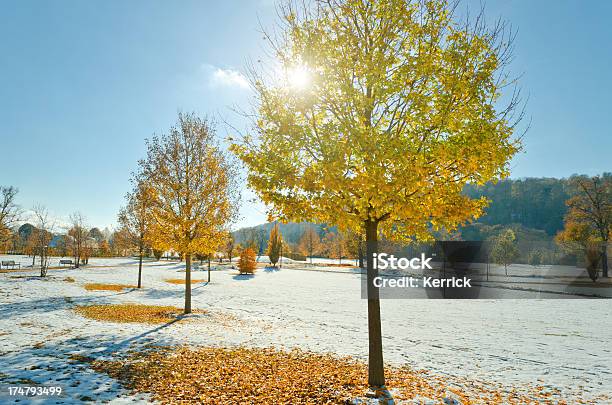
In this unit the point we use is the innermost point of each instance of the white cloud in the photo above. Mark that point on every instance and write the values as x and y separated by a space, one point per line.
219 77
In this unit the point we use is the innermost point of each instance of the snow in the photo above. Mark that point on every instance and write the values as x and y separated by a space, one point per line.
556 343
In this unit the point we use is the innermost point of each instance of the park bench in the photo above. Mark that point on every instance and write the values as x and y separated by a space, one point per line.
65 262
7 263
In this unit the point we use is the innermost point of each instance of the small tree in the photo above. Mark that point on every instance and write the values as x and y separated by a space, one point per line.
194 184
589 217
43 236
135 219
504 249
310 243
247 262
78 238
275 244
577 238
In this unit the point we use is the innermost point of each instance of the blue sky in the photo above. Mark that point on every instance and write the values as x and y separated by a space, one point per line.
84 82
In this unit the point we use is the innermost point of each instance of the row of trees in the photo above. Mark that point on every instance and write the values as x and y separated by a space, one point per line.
584 237
40 240
314 241
586 232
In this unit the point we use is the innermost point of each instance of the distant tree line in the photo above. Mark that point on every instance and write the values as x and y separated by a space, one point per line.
537 203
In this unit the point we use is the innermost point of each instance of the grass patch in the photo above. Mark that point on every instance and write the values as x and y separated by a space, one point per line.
107 287
131 313
181 281
69 279
249 375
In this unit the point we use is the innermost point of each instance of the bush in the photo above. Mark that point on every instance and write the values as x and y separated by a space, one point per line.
593 257
247 262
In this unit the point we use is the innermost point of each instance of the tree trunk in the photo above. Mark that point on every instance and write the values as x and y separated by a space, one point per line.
187 284
209 269
604 260
43 272
376 372
140 269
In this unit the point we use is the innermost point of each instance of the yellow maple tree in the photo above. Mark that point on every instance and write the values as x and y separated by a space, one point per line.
194 186
376 116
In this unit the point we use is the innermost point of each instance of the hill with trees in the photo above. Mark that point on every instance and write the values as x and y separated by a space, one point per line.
533 207
537 203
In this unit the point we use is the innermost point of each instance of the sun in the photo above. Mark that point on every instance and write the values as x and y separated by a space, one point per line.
298 77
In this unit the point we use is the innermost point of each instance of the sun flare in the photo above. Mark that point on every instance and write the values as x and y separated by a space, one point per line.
298 77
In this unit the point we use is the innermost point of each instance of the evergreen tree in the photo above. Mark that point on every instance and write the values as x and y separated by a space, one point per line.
275 244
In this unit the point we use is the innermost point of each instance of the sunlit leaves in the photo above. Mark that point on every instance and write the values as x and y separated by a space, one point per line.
181 281
106 287
400 112
130 313
194 188
269 376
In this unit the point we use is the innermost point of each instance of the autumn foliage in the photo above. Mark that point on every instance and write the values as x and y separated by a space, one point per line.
181 281
268 376
248 261
107 287
195 195
130 313
588 222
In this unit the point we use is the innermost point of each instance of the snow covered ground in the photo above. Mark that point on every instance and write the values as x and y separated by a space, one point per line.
565 344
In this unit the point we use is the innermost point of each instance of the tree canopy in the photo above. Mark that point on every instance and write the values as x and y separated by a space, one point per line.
400 111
